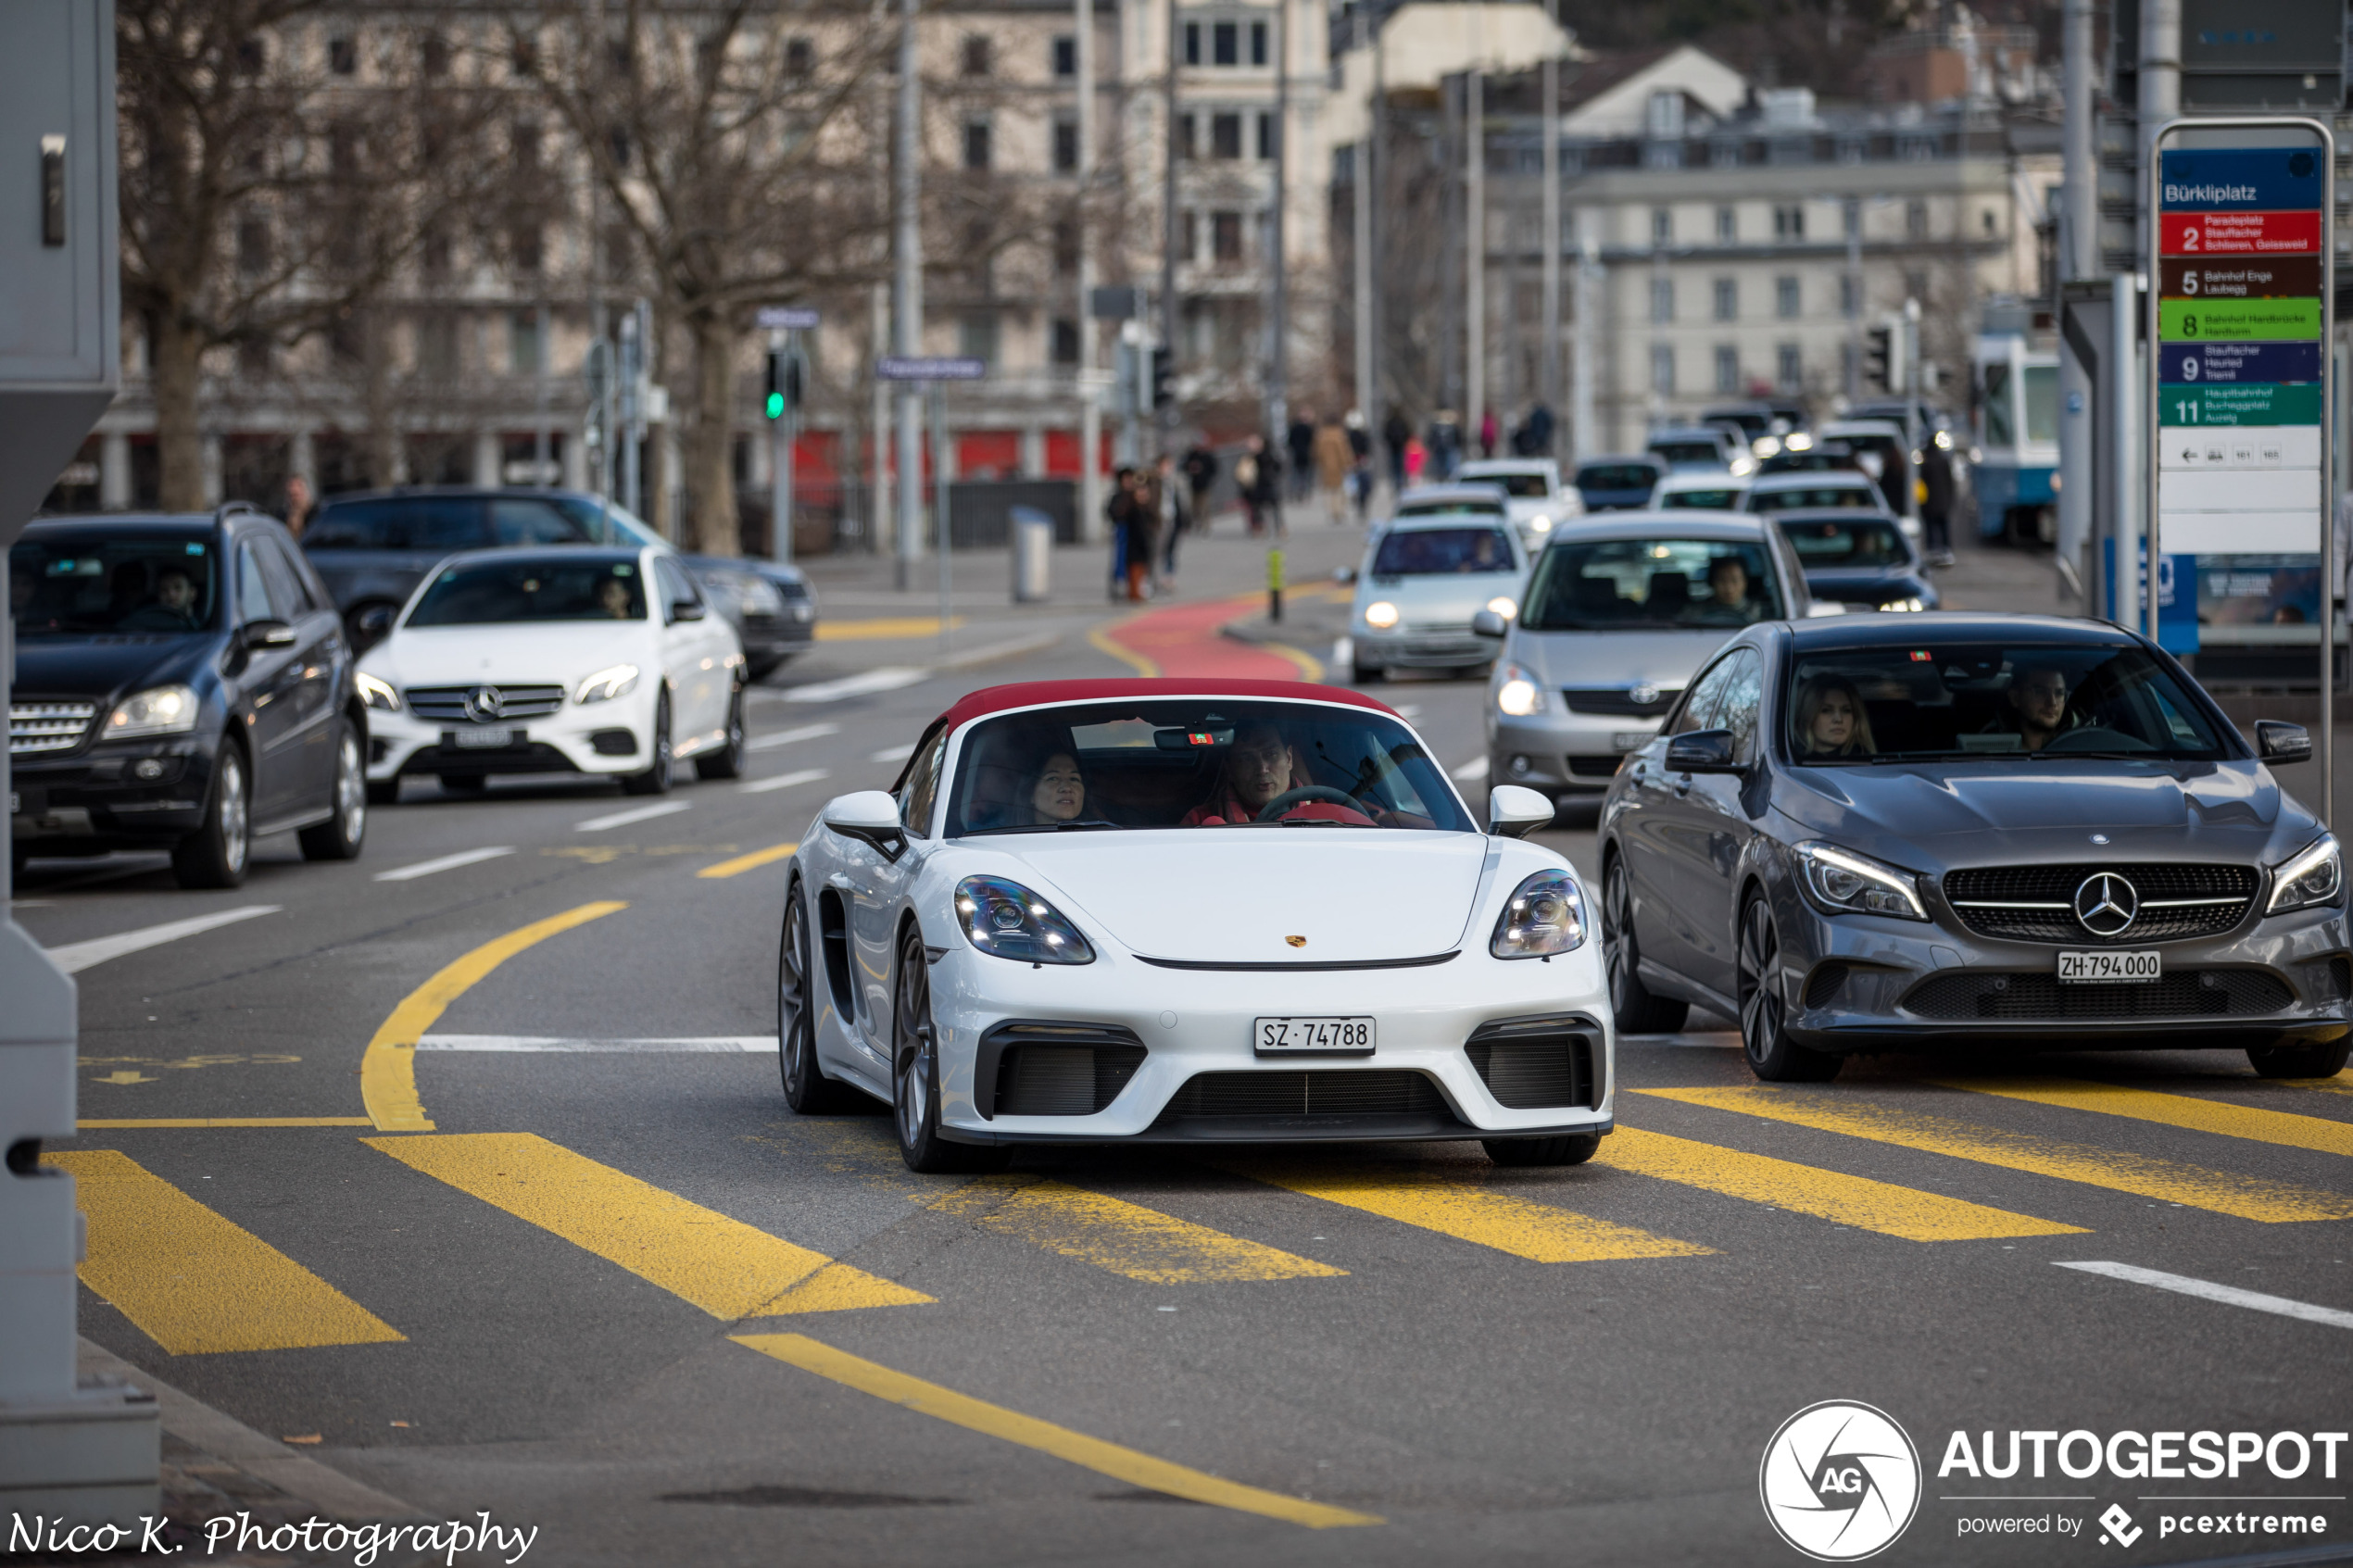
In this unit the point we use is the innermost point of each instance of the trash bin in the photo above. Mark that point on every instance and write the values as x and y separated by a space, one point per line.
1033 538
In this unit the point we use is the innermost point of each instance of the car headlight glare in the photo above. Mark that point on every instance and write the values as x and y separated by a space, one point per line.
2316 876
1504 605
1544 915
1910 603
1540 523
1002 917
606 684
159 710
1839 881
375 693
1380 615
1517 694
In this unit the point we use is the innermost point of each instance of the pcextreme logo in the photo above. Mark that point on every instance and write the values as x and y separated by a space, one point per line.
1840 1481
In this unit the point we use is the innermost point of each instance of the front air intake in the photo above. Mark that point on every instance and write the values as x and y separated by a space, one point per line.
1053 1069
1532 1064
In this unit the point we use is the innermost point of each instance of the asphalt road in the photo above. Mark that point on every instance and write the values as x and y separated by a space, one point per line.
595 1296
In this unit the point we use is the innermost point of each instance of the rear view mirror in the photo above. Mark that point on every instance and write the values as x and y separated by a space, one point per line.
1702 751
686 610
266 634
1344 575
1515 810
1487 624
2278 741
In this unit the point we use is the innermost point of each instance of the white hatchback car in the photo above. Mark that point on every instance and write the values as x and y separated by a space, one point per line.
1535 498
536 661
1422 579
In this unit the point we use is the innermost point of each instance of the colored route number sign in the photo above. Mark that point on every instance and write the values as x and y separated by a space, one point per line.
2242 274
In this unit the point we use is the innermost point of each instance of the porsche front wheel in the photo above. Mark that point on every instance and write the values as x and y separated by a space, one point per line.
915 1077
807 1089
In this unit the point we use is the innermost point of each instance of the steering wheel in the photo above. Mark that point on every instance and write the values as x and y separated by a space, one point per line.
1273 810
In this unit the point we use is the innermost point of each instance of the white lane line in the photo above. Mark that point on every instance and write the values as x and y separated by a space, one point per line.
889 678
446 863
2229 1295
642 814
790 737
894 753
719 1044
783 781
1472 770
75 957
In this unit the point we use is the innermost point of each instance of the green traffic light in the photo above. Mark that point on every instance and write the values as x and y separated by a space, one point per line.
775 404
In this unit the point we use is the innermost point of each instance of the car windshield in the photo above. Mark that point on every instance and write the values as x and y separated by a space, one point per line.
541 588
1807 497
1617 476
1687 451
1862 541
1706 498
1641 584
1197 762
1476 505
1521 486
87 584
1903 703
1443 552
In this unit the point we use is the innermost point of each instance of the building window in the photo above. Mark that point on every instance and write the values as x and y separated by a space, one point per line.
522 343
1916 220
1916 286
1065 246
1225 238
1065 341
1226 44
800 57
1662 300
1065 146
253 245
252 56
975 54
1849 302
977 143
523 143
1728 225
254 356
1727 299
1851 217
1992 223
1184 148
1661 225
1266 147
1066 56
433 253
1728 370
1258 44
1788 367
1225 136
976 336
437 348
433 56
343 56
526 245
1789 222
1192 44
1663 369
1785 298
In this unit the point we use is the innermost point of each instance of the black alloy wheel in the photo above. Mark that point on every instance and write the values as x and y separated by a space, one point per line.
340 836
1567 1148
807 1089
1631 1002
915 1077
727 762
656 779
216 855
2310 1060
1772 1055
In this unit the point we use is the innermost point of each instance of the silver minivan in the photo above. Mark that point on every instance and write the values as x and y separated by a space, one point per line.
1618 614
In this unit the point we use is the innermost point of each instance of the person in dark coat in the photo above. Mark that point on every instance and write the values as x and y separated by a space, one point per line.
1395 432
1119 512
1936 511
1200 473
1301 440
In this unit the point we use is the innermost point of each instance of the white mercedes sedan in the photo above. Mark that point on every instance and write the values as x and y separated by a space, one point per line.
591 661
1189 912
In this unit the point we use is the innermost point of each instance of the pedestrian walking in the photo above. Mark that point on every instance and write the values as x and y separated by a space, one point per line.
1488 434
1416 458
1396 435
1444 446
1300 441
1333 460
1360 463
1200 473
1176 520
1936 506
1118 512
1143 532
299 505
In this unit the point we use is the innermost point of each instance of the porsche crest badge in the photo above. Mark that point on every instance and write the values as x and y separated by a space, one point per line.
1296 941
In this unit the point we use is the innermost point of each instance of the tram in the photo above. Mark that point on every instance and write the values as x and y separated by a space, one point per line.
2014 459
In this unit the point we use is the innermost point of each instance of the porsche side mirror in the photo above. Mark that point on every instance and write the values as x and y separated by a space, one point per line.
1702 751
1487 624
1515 810
870 816
2278 741
1344 575
266 634
686 610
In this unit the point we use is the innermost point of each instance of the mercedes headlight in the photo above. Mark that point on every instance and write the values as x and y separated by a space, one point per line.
159 710
1517 694
375 693
606 684
1910 603
1839 881
2316 876
1002 916
1380 615
1544 915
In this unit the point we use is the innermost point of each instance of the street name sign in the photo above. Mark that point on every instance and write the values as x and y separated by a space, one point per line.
787 318
930 368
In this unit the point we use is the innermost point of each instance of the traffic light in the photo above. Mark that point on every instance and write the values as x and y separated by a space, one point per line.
1879 357
784 382
1163 377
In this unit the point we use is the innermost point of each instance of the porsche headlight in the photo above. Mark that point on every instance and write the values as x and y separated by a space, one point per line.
1504 605
2316 876
159 710
1544 915
1002 916
1839 881
1516 692
1380 615
606 684
375 693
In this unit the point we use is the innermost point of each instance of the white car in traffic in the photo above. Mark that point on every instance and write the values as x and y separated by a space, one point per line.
1535 498
1422 579
595 661
1190 913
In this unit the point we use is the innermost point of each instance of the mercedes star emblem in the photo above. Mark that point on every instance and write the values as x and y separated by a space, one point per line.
2099 838
1642 695
2106 904
485 702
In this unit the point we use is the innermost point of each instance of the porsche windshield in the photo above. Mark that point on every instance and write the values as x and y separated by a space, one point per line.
1647 584
581 587
72 587
1197 762
1861 706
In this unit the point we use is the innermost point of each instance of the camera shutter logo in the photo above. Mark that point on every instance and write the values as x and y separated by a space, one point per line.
1840 1481
2106 904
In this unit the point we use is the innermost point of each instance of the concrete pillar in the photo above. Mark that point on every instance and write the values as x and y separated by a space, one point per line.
575 463
212 470
489 458
1033 451
114 471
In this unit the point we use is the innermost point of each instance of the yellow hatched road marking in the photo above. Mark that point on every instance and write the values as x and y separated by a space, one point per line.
115 1123
1123 1238
2340 1084
729 1269
750 862
2248 1197
1831 1194
1113 1460
1462 1207
388 1070
2282 1127
884 626
194 1282
1099 638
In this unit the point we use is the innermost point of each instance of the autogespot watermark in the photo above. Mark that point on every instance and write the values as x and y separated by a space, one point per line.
363 1544
1841 1481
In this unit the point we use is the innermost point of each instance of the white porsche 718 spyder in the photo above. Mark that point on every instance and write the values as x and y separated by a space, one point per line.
1185 911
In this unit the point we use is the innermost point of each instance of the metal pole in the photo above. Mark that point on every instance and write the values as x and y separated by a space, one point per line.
1091 404
1584 443
1363 215
599 328
2080 255
628 380
2160 92
780 456
1277 322
1168 311
1853 218
939 507
878 418
539 399
1474 256
2123 387
908 229
1549 125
